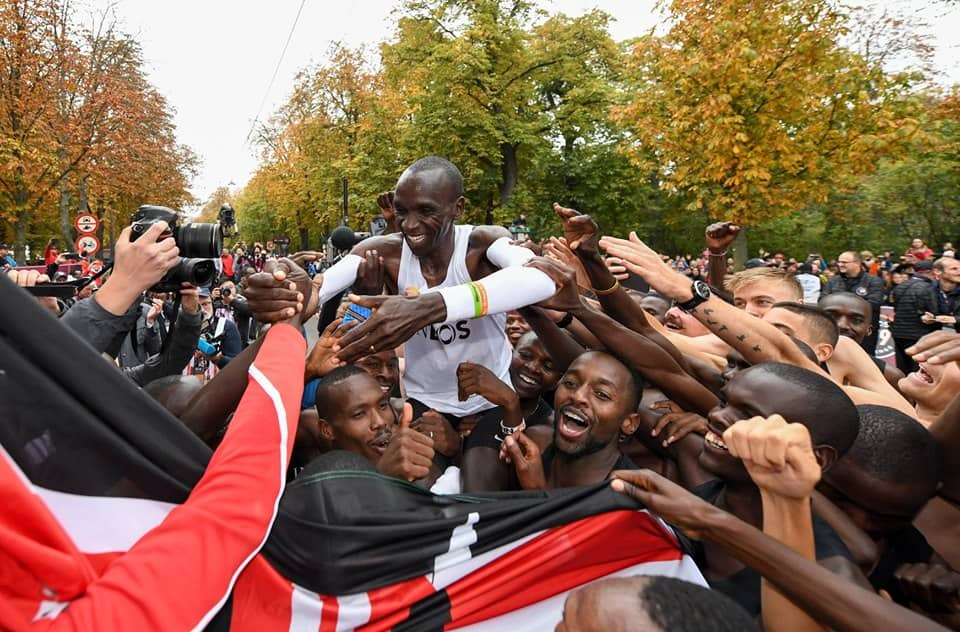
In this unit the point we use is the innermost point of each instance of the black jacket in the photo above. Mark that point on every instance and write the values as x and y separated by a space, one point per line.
911 299
866 286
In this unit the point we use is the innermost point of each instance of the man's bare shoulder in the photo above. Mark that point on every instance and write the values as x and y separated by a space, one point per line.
484 236
386 245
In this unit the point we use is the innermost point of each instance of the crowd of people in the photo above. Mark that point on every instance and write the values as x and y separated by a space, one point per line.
814 483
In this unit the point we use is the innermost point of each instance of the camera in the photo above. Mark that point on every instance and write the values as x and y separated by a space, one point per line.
198 243
225 292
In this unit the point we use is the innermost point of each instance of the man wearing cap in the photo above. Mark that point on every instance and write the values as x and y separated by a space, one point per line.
853 278
206 362
6 261
911 299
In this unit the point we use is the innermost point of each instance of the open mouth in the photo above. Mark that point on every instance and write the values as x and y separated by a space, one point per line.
416 239
714 440
525 379
573 423
922 375
380 444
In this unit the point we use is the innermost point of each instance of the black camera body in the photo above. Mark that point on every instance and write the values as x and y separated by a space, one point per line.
199 245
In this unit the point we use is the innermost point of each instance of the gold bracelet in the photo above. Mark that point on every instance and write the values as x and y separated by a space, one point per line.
611 290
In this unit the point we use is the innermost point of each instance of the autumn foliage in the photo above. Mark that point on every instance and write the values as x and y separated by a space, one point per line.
81 128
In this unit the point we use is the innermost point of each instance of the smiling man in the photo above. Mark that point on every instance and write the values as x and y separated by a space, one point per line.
455 290
596 401
356 416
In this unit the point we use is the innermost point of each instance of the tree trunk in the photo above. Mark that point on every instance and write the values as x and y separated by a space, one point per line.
20 241
66 228
508 174
740 249
304 238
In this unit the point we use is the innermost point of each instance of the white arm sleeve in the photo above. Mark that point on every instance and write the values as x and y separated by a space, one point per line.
512 287
503 254
339 277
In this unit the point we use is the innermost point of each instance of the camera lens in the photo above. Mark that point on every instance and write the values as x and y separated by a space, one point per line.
200 240
195 271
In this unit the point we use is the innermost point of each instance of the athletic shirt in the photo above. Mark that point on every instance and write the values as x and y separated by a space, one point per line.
433 353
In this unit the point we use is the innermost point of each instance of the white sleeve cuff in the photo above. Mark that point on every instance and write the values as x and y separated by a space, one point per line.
503 254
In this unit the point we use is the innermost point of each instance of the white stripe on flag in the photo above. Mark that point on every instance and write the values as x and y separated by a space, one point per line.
91 521
353 612
281 418
546 614
305 609
462 538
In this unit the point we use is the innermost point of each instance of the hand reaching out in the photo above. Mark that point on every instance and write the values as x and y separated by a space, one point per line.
666 499
370 275
557 249
322 358
446 440
580 231
939 347
474 379
567 297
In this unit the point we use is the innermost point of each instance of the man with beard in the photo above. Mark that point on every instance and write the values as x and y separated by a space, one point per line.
596 401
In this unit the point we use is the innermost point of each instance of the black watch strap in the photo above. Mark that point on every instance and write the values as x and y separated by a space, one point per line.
701 292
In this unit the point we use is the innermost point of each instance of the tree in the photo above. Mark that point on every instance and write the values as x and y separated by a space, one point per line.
78 121
495 86
755 110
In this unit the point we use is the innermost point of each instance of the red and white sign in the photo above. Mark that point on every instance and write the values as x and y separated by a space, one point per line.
86 223
87 244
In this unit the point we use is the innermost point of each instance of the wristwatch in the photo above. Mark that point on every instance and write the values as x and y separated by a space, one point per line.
701 292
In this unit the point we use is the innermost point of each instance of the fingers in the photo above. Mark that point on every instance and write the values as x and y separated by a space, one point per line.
563 212
527 445
515 452
938 347
406 416
153 233
373 302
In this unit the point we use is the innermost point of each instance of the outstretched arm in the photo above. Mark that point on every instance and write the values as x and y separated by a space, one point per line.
182 572
757 340
803 581
638 351
398 318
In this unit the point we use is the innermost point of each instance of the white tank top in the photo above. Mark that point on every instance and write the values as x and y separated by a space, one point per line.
433 354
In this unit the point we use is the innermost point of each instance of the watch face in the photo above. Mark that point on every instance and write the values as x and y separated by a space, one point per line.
701 289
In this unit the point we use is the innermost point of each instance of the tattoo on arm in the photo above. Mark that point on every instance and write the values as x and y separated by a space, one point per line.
756 348
712 322
742 337
707 311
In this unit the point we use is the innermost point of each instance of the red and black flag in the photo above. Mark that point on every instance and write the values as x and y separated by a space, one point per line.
94 479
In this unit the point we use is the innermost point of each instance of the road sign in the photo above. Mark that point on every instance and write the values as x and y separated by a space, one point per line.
87 244
86 223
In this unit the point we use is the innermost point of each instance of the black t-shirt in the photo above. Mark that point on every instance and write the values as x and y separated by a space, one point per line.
907 547
541 416
744 585
623 462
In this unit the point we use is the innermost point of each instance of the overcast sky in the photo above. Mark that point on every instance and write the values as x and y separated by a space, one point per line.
213 59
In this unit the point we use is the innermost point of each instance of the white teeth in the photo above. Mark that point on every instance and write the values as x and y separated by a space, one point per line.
524 378
715 441
576 417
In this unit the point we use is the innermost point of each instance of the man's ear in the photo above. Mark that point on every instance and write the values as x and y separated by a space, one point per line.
459 206
823 351
826 456
326 429
869 331
630 424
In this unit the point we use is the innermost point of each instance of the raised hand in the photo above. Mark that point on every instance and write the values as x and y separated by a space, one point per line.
521 451
272 297
474 379
778 455
643 261
720 235
567 297
409 454
557 249
580 231
387 209
322 358
666 499
370 274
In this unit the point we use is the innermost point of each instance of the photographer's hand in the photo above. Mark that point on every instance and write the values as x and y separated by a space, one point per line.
190 299
137 266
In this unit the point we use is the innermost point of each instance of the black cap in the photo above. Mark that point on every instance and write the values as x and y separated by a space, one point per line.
923 265
755 263
4 247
